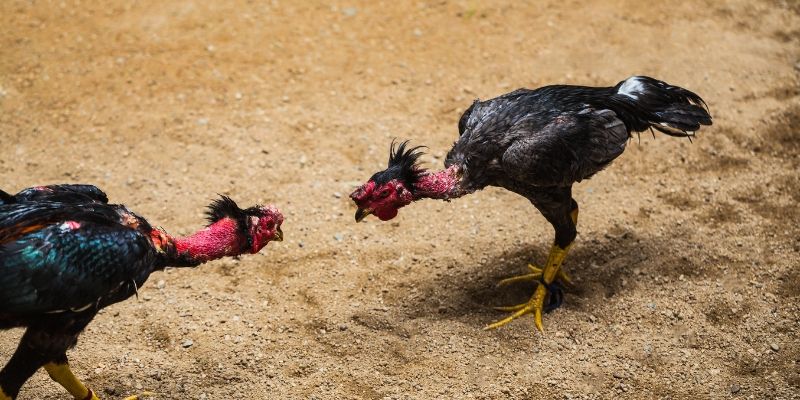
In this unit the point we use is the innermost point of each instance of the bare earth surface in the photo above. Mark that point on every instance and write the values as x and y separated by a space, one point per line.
686 264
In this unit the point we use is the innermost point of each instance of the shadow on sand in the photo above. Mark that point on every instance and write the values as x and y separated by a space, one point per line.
600 269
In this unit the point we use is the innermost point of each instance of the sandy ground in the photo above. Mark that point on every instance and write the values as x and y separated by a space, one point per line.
686 264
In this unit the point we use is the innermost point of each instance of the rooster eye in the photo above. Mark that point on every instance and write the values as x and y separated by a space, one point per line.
383 194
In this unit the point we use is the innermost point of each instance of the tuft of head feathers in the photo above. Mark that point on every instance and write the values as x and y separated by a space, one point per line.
402 165
223 207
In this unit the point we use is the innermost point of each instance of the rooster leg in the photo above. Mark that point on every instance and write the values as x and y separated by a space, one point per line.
549 277
537 302
59 371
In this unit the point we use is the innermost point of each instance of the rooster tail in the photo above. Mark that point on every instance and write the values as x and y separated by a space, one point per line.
645 102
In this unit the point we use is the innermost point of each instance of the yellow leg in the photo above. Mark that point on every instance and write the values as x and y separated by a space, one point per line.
64 376
536 303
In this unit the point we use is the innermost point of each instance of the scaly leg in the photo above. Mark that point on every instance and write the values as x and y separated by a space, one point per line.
60 372
551 271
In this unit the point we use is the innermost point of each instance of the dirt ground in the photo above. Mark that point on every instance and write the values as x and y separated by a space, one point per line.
686 264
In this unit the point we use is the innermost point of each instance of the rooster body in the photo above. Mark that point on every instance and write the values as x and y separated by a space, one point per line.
537 143
65 253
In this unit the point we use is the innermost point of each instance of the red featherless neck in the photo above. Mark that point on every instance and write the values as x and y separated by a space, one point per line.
220 239
444 184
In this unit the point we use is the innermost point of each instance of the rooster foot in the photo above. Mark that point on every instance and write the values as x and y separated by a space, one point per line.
548 295
546 298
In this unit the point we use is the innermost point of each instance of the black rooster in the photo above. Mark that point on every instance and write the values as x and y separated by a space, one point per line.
536 143
65 253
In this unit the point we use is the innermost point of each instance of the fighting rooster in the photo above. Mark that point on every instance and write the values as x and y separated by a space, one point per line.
536 143
65 253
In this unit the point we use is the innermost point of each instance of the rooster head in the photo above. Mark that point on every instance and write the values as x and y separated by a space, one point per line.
257 225
389 190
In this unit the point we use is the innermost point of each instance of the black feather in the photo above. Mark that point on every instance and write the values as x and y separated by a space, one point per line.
65 193
6 198
223 207
462 122
402 165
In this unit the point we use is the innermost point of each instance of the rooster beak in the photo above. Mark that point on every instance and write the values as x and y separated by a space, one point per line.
278 235
361 213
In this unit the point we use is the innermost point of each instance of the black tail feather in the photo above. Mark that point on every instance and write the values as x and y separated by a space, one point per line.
645 103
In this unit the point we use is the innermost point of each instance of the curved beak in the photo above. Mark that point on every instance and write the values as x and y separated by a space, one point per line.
278 235
361 213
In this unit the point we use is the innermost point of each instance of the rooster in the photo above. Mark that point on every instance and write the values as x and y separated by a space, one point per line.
536 143
65 253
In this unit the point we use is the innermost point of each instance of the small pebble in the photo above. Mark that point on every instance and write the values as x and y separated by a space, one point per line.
735 388
186 343
774 346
